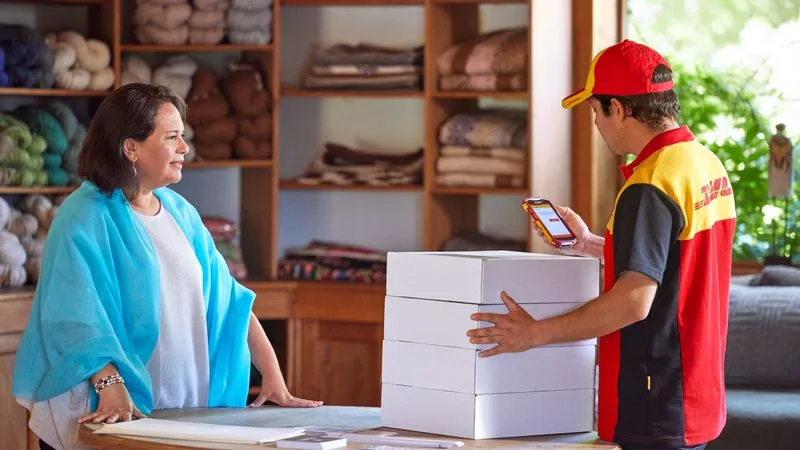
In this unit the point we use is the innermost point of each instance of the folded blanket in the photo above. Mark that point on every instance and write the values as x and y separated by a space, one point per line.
511 154
401 81
487 128
368 54
501 52
365 69
517 82
338 155
479 180
478 165
340 165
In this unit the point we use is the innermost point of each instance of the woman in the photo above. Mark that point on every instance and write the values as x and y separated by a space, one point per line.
135 309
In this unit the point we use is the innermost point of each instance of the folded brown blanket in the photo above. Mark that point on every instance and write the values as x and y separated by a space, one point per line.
501 52
368 54
478 165
517 82
341 165
486 128
479 180
512 154
399 81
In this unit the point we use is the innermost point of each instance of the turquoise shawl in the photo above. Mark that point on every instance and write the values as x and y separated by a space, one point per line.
98 300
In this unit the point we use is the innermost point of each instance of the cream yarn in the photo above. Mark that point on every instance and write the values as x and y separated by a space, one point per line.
80 63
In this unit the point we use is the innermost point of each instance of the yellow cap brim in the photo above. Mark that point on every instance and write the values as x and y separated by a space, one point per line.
576 98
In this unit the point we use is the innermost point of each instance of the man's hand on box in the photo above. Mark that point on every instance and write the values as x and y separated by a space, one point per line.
516 331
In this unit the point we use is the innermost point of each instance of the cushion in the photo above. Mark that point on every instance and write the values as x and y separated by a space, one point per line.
760 419
763 347
777 276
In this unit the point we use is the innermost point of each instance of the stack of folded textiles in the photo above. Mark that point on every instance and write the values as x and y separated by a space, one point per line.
328 261
495 61
483 149
366 66
341 165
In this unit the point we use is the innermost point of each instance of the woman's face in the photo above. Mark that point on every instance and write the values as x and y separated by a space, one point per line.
159 158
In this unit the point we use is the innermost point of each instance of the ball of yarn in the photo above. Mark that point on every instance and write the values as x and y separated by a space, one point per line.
251 4
16 130
244 19
52 160
102 79
76 79
11 251
32 246
135 70
64 57
65 117
256 37
38 144
91 54
5 213
8 176
33 266
22 224
6 144
43 123
57 177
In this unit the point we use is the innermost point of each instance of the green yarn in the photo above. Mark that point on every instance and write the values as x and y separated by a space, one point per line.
36 162
51 160
25 177
16 130
41 122
17 158
38 144
57 177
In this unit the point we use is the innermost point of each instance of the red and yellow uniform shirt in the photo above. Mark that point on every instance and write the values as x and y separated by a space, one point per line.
662 378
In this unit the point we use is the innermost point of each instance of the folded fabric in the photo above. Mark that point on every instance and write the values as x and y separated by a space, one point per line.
501 52
486 128
512 154
364 69
479 180
407 81
368 54
345 166
478 165
518 82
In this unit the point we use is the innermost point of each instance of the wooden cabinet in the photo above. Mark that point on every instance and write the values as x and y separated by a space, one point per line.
14 309
337 334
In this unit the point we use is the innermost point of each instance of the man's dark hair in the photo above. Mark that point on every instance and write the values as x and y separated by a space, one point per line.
653 109
127 113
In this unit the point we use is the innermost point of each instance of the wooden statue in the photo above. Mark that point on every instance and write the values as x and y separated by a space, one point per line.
781 170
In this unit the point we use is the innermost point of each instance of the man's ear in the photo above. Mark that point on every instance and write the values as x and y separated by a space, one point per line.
617 110
129 150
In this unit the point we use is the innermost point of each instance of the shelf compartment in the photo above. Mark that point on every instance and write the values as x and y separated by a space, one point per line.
295 185
44 190
294 91
36 92
243 163
195 48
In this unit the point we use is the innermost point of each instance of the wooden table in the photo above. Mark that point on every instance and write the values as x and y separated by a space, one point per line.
326 416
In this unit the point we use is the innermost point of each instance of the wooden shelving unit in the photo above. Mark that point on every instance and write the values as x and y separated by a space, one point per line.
312 324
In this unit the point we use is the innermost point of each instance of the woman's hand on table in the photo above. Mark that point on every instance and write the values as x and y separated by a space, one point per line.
115 405
278 393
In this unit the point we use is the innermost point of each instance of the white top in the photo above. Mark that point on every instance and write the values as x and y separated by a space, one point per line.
178 366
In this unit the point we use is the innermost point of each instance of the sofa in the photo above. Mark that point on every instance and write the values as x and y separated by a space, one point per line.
762 362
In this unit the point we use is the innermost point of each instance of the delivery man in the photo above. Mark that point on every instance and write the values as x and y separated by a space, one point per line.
662 319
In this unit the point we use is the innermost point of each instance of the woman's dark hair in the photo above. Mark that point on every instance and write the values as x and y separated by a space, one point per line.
654 110
127 113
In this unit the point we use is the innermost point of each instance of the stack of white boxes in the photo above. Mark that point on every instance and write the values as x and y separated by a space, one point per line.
433 380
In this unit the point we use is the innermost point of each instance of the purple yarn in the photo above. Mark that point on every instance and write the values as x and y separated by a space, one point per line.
3 75
28 59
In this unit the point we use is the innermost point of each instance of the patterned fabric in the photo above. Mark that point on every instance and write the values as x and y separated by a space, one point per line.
484 82
487 128
327 261
763 337
340 165
501 52
365 66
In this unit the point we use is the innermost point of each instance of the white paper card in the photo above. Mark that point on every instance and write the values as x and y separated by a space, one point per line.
191 431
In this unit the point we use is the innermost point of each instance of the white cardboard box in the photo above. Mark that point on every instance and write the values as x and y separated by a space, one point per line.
479 277
491 416
446 323
462 370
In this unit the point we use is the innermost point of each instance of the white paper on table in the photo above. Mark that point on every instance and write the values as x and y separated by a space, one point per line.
191 431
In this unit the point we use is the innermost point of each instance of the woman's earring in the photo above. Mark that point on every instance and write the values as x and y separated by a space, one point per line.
133 166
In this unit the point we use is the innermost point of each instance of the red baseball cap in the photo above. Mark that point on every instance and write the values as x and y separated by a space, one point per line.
623 69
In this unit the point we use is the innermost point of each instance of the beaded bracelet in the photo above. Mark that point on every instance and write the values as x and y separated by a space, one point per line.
107 381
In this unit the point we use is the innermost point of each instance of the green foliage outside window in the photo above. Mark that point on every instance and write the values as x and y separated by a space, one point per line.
719 109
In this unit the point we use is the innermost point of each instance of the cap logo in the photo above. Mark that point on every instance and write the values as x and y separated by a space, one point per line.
661 74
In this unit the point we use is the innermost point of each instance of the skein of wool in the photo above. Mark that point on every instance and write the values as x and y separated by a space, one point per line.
5 213
160 22
136 70
176 74
65 117
22 224
45 124
6 144
12 276
3 74
11 251
250 22
28 60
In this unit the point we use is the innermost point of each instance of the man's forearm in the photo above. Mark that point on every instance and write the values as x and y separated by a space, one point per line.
261 351
628 302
